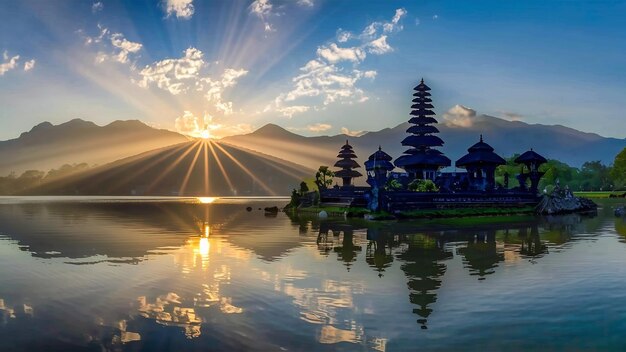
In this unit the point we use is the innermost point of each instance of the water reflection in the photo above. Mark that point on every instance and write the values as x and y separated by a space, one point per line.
212 272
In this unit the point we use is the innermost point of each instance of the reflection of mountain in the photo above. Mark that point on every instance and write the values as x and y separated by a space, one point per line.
47 146
127 231
507 137
196 168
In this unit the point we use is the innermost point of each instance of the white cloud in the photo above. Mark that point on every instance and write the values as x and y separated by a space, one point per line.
379 46
180 8
343 36
512 116
97 7
333 53
29 65
319 127
262 9
120 48
332 76
460 116
435 17
8 63
347 132
185 74
308 3
124 47
289 111
206 127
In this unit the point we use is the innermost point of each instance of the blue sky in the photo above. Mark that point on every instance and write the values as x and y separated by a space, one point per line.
314 66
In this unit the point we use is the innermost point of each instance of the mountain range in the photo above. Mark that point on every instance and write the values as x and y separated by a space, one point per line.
507 137
48 146
138 159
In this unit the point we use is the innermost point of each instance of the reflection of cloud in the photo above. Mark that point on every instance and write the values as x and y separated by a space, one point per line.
166 310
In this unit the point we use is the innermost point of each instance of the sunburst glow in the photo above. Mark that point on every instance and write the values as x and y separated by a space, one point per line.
207 200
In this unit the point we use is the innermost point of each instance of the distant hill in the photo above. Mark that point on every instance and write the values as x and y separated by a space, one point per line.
48 146
182 169
507 137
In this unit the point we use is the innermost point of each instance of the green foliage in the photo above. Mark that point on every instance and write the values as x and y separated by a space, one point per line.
303 188
423 186
13 184
618 172
295 199
393 184
324 177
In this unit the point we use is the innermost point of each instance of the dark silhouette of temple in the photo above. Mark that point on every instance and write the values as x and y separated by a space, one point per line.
423 184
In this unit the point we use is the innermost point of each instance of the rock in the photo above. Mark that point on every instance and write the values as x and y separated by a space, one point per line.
620 211
272 210
248 208
323 214
556 204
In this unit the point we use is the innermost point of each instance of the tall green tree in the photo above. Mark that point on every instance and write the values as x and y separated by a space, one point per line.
324 177
618 172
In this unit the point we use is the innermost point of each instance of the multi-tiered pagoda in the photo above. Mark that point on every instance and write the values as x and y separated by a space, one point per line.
422 161
347 164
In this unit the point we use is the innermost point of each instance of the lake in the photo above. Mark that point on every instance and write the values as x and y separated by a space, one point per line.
169 274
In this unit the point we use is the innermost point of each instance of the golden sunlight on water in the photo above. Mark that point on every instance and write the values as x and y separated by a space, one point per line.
207 200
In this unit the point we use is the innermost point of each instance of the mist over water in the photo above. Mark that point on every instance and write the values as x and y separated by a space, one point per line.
137 274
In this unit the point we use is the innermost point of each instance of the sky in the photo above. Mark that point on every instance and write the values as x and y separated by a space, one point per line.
317 67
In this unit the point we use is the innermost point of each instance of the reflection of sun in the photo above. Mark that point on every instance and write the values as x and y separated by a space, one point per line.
207 200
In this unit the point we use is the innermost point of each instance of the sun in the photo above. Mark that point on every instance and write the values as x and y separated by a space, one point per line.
205 134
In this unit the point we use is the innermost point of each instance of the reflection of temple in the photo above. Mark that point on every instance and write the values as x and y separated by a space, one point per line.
423 268
481 254
424 251
422 162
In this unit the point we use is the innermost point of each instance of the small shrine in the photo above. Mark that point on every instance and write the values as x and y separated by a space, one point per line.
480 163
347 164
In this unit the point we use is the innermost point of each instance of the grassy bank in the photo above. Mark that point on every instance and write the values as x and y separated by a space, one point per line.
598 194
336 211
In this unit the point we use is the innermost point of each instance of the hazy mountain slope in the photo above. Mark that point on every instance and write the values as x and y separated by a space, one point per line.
47 146
173 171
507 137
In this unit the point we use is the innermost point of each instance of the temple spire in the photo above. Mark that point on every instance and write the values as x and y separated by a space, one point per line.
422 160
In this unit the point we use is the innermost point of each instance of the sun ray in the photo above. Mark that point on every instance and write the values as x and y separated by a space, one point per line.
246 170
190 170
219 164
206 168
155 161
172 165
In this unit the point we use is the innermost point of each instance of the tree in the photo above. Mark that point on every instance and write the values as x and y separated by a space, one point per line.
423 186
303 188
618 172
324 177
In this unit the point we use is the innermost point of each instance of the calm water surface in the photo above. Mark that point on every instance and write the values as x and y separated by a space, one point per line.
178 275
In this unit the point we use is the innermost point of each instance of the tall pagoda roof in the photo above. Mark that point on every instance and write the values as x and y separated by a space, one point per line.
422 112
422 86
480 153
347 164
347 173
422 120
415 129
425 140
530 156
